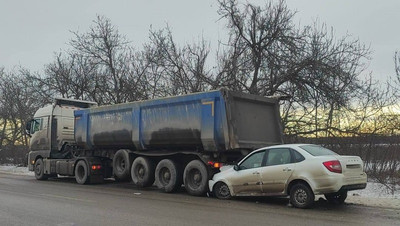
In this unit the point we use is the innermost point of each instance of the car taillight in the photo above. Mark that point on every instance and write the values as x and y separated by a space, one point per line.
333 166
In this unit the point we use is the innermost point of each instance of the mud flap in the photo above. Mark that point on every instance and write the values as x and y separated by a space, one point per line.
96 179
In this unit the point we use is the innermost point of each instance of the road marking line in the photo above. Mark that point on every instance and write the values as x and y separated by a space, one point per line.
66 197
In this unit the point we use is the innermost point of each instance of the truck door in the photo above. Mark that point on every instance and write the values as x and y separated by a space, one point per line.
40 135
277 170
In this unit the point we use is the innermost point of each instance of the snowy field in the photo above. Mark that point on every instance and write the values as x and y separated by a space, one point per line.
375 194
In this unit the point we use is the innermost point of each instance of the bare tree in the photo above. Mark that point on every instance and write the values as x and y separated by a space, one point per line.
71 76
177 70
266 54
109 56
17 105
3 113
256 34
397 63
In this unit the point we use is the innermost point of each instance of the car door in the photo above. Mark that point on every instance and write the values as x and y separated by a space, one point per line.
277 170
247 179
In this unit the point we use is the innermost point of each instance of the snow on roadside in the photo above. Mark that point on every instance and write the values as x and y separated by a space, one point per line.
377 190
15 170
375 194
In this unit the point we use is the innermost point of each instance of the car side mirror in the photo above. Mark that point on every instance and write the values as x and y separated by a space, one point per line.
236 167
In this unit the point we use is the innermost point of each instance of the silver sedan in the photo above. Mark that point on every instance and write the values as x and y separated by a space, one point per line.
300 171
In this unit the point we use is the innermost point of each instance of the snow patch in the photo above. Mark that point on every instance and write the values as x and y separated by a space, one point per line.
376 194
377 190
16 170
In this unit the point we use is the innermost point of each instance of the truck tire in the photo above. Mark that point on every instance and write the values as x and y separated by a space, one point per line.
39 170
301 196
196 178
142 172
81 172
168 175
122 165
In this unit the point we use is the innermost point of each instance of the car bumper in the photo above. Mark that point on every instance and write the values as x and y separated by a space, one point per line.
335 183
211 185
353 187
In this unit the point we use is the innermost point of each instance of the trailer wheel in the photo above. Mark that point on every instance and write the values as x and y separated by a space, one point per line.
39 170
142 172
121 165
196 178
168 175
81 172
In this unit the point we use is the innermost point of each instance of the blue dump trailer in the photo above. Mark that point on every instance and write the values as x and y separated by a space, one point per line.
169 141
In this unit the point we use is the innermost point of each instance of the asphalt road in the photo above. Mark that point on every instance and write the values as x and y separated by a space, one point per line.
26 201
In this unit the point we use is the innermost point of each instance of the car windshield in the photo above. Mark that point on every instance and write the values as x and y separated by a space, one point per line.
316 150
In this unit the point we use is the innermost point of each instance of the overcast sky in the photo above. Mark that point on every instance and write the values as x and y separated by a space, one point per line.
32 31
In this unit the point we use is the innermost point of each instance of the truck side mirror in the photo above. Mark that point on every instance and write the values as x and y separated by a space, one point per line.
236 167
28 128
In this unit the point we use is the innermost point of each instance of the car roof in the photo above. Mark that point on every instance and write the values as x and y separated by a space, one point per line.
294 146
287 145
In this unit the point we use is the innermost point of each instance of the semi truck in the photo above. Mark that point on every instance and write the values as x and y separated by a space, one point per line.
169 142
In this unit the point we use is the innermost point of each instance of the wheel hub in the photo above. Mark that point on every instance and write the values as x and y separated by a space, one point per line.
38 169
224 191
122 164
167 175
301 196
141 172
197 177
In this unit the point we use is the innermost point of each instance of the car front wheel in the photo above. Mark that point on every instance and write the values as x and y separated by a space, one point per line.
221 191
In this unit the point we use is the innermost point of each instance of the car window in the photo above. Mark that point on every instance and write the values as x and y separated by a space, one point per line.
297 157
278 156
253 161
317 150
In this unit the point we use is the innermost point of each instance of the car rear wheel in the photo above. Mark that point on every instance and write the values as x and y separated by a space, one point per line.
221 191
336 198
301 196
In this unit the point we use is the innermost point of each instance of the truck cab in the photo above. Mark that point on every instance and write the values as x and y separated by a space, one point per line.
52 129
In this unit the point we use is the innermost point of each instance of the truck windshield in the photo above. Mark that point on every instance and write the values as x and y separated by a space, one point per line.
317 150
